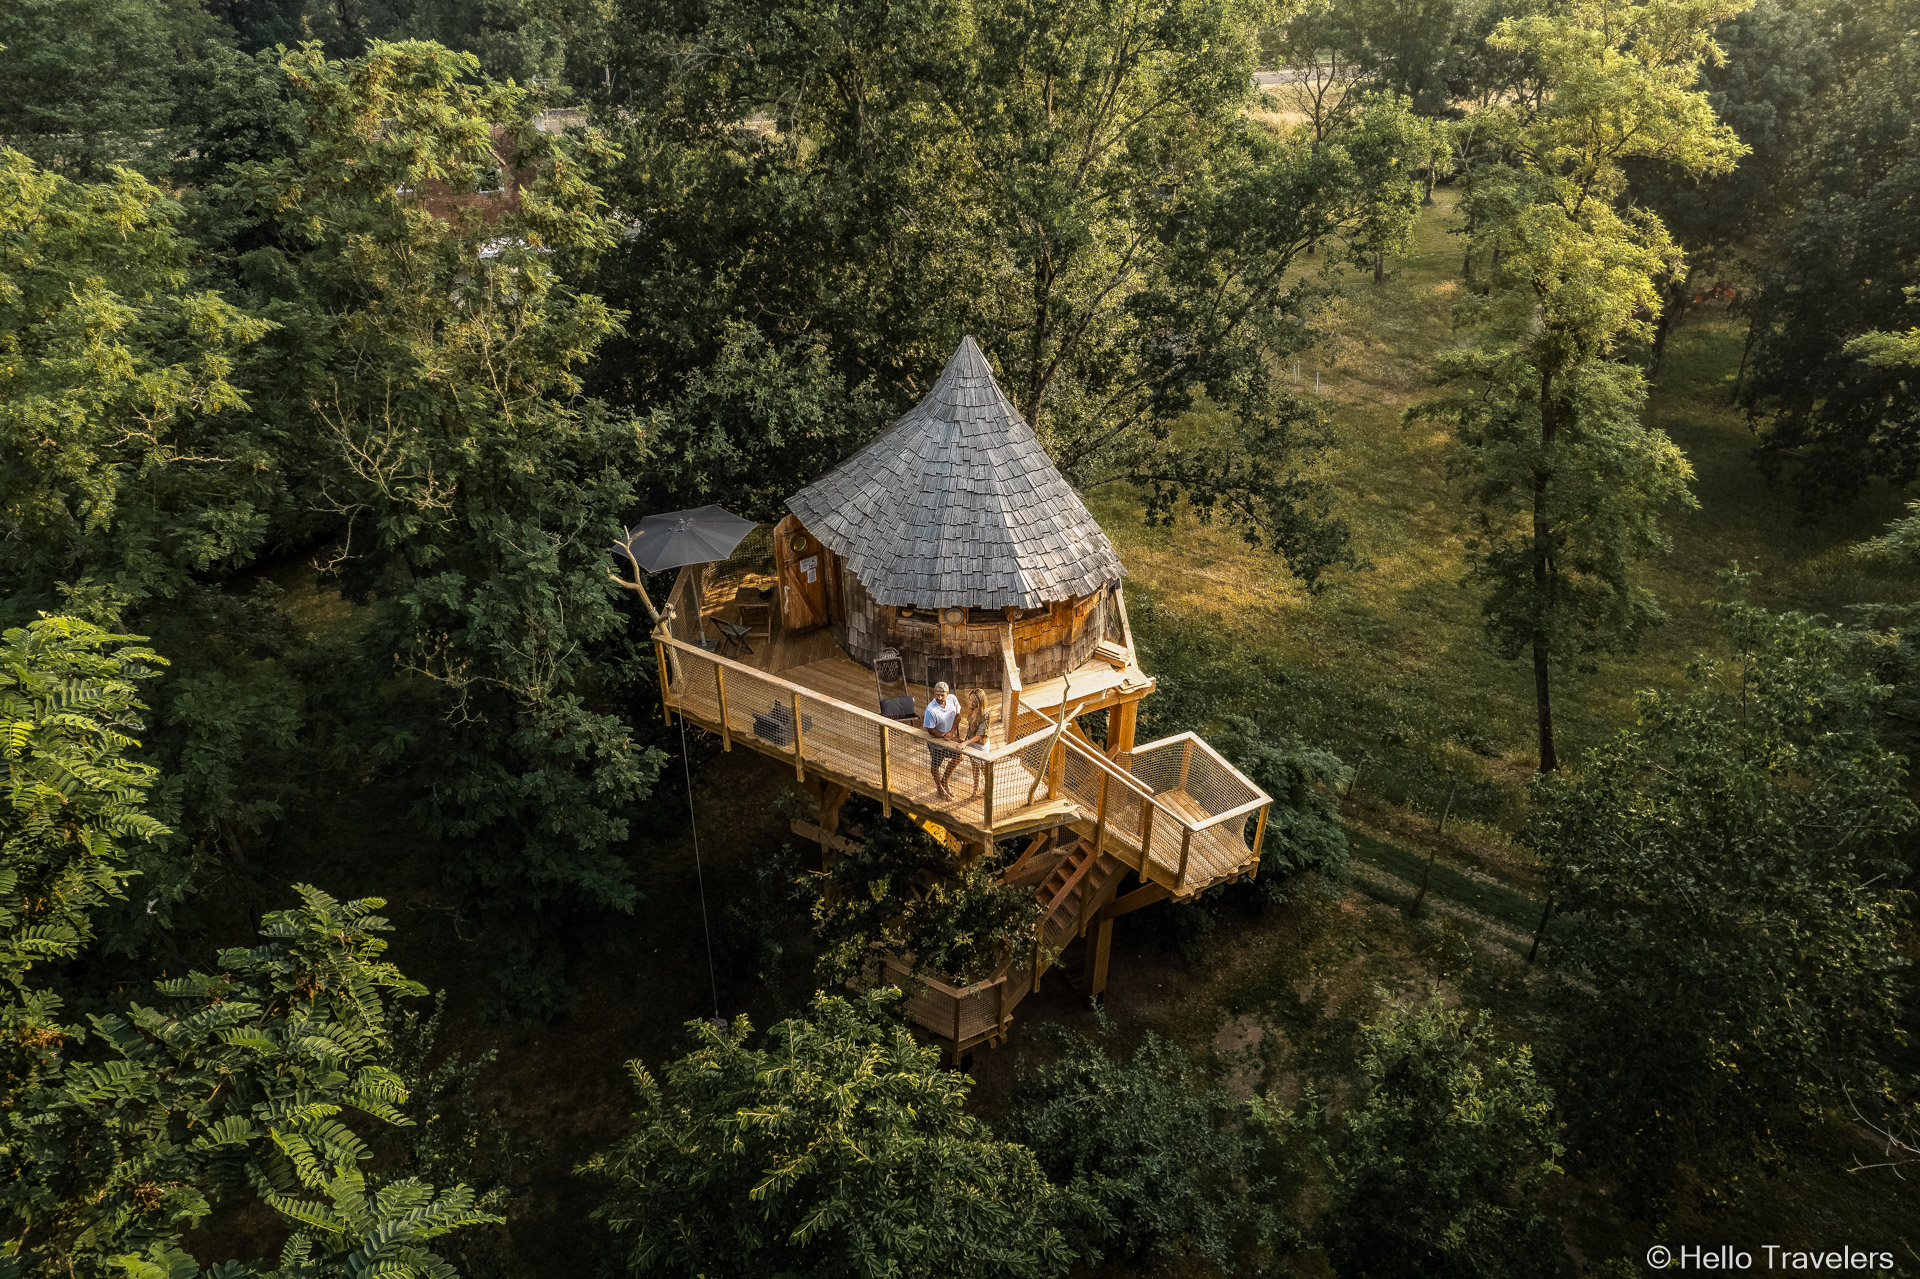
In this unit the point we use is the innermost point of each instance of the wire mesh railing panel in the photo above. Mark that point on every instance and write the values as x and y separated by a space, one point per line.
683 606
758 707
1214 786
834 738
1157 767
695 682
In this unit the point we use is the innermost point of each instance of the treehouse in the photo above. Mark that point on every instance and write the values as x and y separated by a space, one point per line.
950 550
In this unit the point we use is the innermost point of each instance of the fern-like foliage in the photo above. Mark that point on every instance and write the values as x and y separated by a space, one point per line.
117 1136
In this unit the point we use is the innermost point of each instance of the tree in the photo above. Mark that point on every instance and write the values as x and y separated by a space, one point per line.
1405 48
1315 45
900 890
1830 419
840 1148
1438 1167
134 481
1777 65
117 1137
86 84
1303 826
1725 870
1566 484
468 490
1165 1159
1080 188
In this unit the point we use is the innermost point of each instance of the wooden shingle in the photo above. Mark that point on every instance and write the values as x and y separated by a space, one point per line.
957 504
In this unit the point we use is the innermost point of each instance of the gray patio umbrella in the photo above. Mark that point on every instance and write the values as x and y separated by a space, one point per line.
699 536
677 538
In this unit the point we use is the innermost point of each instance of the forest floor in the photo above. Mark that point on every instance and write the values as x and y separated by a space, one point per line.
1386 665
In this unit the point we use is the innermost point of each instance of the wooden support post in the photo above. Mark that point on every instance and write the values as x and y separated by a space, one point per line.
886 774
1056 771
1036 962
720 687
799 747
1086 907
1260 835
1100 817
1101 945
1010 689
666 689
832 795
1186 850
987 808
1146 835
1120 726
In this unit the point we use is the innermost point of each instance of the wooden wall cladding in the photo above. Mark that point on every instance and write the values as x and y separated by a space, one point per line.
1046 645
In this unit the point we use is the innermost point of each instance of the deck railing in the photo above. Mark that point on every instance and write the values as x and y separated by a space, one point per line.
1173 810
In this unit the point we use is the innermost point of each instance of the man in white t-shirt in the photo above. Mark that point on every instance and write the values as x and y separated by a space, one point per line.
942 713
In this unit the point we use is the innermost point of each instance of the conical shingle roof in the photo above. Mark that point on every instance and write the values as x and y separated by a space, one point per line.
957 504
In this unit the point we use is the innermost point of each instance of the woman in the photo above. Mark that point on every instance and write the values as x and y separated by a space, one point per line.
972 732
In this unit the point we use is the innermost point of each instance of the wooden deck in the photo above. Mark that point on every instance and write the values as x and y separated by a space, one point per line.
1173 810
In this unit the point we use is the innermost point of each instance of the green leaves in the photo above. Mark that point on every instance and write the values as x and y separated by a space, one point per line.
1165 1161
111 374
840 1148
244 1078
70 799
1721 870
1438 1167
1836 400
899 891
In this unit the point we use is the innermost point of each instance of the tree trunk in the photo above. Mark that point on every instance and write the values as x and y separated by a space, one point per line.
1672 308
1379 267
1542 693
1546 913
1432 177
1543 582
1740 375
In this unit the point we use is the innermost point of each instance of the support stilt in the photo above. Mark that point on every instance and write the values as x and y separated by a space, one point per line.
1099 943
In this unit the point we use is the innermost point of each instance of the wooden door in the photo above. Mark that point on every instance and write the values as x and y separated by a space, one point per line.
801 563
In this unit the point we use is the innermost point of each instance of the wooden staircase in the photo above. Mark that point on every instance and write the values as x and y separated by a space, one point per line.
1071 894
1076 888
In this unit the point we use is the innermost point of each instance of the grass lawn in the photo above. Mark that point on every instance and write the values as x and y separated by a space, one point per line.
1388 663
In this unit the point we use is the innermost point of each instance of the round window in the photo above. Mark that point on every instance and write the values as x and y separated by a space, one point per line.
799 543
956 617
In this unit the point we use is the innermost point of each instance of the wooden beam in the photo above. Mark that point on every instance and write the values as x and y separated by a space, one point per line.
1186 851
886 775
666 689
1100 818
832 796
1126 628
720 688
1146 895
825 838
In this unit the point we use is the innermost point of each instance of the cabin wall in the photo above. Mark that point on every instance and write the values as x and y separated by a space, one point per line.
1046 645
